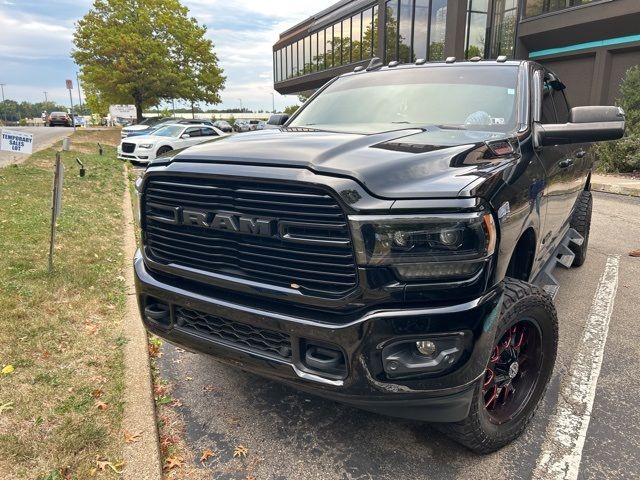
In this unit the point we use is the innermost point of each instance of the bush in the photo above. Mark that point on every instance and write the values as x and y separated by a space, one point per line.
624 155
23 122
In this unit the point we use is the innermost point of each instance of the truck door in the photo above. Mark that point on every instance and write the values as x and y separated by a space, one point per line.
560 190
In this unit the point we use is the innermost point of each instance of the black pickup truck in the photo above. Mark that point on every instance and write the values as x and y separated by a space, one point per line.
391 247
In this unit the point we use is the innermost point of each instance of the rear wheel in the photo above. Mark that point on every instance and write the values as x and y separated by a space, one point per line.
581 222
517 373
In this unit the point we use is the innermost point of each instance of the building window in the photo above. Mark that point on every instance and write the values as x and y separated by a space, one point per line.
503 28
328 33
320 59
307 56
476 29
356 38
421 28
391 31
538 7
437 28
300 57
374 31
404 32
345 44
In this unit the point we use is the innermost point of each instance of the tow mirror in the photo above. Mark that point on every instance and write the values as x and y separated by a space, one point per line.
586 124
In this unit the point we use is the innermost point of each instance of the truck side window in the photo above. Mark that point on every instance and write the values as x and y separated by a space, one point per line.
562 106
548 108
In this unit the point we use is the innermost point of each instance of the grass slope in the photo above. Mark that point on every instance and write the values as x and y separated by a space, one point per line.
62 331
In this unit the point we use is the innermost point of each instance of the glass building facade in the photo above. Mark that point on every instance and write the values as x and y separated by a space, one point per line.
590 42
346 41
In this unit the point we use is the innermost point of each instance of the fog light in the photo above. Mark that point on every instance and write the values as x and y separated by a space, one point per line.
426 347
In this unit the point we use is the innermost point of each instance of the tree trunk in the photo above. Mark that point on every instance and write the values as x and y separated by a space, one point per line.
139 111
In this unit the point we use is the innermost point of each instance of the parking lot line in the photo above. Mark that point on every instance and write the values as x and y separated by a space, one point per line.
562 449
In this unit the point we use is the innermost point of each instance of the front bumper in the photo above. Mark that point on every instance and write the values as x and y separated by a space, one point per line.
440 398
145 156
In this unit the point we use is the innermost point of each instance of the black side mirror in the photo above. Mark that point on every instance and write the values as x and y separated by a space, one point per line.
586 124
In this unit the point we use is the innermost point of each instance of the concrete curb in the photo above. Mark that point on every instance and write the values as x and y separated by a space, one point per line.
615 188
141 458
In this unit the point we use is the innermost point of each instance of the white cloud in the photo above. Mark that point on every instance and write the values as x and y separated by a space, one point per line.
36 41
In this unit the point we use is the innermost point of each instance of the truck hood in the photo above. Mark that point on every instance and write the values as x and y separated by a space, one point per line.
408 163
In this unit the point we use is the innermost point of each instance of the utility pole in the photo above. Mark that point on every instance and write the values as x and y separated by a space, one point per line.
273 103
4 116
46 100
79 96
240 104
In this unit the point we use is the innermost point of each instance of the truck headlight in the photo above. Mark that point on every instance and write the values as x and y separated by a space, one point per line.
428 247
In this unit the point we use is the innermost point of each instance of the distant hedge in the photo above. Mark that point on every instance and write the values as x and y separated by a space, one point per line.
624 155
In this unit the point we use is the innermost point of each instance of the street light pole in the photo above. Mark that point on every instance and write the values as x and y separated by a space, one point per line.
46 100
273 103
240 104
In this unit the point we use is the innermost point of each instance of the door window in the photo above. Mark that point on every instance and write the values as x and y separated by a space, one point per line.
193 131
208 132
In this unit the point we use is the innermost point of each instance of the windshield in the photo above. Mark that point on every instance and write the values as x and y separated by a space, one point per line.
473 98
168 131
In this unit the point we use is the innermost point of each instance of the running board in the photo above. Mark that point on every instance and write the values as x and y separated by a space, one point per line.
564 256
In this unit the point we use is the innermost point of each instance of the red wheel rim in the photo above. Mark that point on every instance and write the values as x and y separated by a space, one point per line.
512 372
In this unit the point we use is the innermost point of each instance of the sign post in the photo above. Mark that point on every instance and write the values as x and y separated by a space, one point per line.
70 88
56 204
16 142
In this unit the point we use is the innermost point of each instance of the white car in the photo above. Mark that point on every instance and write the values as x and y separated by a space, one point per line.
145 148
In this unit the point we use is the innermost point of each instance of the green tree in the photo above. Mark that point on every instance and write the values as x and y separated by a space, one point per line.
624 155
291 109
145 51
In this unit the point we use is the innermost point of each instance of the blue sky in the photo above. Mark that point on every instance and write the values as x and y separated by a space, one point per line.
35 43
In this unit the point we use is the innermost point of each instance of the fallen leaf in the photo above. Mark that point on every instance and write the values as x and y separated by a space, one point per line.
165 442
154 351
206 454
102 463
250 477
5 407
634 253
240 451
173 462
188 379
97 393
100 405
131 437
7 369
176 403
159 390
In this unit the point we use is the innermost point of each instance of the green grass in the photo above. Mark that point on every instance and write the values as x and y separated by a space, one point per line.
62 331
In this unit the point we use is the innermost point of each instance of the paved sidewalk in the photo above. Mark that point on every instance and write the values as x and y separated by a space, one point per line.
142 458
616 184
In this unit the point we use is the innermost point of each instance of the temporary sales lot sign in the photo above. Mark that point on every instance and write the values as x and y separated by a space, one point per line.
16 142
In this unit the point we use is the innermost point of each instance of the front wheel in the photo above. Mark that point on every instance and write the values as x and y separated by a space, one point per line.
163 150
517 373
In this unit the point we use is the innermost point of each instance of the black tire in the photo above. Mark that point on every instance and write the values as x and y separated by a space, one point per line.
581 222
523 303
163 150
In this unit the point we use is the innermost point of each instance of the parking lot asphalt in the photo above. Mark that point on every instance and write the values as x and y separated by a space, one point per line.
43 137
292 435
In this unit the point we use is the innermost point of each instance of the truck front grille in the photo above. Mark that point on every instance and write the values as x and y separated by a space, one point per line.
321 265
128 147
234 333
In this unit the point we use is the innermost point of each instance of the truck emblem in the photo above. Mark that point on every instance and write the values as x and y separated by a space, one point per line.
226 222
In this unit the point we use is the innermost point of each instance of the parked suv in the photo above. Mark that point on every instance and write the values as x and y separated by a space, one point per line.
391 248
